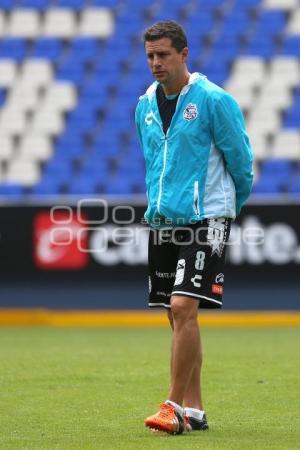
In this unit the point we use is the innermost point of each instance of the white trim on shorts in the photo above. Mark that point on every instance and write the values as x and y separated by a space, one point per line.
160 304
190 294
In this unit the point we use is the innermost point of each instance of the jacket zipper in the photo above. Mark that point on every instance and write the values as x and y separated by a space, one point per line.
196 198
165 155
162 173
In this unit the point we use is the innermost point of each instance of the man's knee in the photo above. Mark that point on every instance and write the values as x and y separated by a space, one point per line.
184 308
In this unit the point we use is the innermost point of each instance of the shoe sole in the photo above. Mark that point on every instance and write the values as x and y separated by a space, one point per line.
156 428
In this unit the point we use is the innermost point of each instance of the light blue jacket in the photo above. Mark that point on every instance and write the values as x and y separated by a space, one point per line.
202 167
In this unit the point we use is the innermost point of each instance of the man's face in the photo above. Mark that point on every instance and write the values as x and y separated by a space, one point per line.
164 61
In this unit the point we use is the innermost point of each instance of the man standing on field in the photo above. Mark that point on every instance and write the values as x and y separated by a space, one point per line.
198 175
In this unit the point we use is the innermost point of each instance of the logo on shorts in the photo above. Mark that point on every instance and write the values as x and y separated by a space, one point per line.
216 235
180 269
165 274
190 112
216 289
196 280
220 278
149 284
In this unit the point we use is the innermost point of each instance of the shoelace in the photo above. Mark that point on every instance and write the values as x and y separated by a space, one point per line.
165 410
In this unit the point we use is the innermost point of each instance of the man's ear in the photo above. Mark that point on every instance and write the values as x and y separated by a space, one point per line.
184 54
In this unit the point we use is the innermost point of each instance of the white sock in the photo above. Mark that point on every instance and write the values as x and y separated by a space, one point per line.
176 406
195 413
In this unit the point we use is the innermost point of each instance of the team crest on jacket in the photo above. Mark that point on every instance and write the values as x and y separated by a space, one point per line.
190 112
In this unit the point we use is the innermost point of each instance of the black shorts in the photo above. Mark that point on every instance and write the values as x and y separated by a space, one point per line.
188 261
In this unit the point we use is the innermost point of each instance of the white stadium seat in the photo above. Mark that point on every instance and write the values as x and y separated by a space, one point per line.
97 22
8 72
35 147
6 148
280 4
47 122
36 72
272 99
243 94
265 121
23 23
22 171
23 97
287 69
287 145
12 121
259 144
294 23
2 24
61 96
249 71
59 22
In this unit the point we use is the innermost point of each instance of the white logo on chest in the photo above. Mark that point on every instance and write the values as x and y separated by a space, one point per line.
190 112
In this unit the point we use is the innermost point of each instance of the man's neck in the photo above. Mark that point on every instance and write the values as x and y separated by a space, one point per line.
176 87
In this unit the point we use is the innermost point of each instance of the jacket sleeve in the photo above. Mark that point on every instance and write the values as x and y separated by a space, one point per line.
231 139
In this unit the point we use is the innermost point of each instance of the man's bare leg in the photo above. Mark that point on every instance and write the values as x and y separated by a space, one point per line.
186 349
192 397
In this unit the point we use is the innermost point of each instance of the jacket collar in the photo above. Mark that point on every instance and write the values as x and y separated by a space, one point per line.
195 76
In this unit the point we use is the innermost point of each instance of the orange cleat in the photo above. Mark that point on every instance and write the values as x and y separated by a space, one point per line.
166 419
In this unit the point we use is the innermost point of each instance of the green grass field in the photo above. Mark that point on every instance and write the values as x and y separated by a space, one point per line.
91 388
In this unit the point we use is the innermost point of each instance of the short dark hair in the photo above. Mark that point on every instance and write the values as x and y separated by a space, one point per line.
167 29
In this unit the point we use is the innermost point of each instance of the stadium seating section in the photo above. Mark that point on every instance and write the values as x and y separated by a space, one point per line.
71 72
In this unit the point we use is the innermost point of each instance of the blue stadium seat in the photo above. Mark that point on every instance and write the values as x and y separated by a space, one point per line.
14 48
208 5
75 73
199 24
82 50
291 46
103 150
244 4
82 120
58 168
216 71
278 167
116 185
270 23
263 48
82 185
96 170
107 3
48 186
294 186
69 149
233 27
49 48
36 4
74 4
97 86
225 51
11 190
269 185
7 5
132 168
2 96
275 175
292 115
